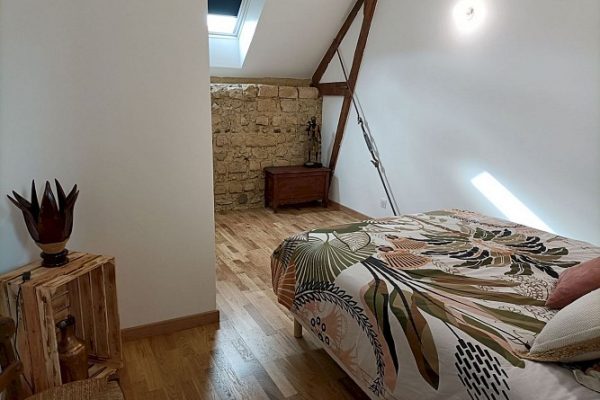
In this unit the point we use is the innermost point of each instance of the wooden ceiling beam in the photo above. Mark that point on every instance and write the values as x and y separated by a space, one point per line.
339 133
336 43
333 89
369 12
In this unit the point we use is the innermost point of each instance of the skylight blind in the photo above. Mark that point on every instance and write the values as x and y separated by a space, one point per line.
224 7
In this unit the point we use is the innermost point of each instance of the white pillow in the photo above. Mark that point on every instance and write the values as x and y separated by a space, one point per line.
573 334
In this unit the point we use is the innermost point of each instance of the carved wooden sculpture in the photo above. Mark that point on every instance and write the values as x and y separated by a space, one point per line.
313 144
50 223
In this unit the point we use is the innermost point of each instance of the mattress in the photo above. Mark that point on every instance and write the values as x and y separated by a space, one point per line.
438 305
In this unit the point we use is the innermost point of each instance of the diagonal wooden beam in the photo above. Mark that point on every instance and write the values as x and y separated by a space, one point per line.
336 43
339 134
333 89
369 12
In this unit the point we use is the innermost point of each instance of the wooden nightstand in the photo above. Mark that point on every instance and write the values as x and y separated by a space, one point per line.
293 185
85 288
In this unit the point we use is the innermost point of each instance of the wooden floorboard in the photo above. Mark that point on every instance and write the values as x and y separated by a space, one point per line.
252 352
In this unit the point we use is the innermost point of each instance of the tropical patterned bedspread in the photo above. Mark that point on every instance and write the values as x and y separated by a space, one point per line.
440 305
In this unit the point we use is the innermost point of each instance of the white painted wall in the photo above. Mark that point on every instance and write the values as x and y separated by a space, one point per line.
114 96
519 97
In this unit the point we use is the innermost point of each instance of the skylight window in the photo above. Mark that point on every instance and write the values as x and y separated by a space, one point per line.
231 28
224 17
222 24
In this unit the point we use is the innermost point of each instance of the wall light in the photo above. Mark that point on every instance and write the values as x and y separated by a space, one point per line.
507 203
468 15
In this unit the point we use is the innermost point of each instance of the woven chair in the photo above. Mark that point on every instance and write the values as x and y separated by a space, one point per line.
11 378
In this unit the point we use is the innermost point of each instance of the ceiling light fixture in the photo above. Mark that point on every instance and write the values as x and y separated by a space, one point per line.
468 15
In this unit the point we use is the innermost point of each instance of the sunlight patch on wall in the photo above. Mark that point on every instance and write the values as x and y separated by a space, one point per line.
506 202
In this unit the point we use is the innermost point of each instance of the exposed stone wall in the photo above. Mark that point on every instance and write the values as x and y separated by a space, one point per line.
256 126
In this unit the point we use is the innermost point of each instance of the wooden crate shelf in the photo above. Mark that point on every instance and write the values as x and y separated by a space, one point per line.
84 288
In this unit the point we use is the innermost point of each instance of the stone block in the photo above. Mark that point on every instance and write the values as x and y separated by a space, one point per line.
268 91
260 153
288 92
238 140
236 93
268 140
308 92
262 120
308 106
250 91
221 140
220 188
235 187
234 177
237 167
223 200
281 151
220 168
297 152
219 92
289 105
267 105
260 141
242 198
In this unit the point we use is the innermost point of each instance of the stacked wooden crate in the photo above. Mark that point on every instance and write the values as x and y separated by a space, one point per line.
84 288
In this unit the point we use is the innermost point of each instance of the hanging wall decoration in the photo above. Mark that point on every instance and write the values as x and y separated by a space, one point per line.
314 144
49 223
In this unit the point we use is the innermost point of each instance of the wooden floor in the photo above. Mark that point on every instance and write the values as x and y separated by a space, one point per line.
252 353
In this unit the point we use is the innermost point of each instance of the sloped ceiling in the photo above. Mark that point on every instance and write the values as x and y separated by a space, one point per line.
291 38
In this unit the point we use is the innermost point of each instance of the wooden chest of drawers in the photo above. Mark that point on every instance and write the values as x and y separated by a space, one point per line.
293 185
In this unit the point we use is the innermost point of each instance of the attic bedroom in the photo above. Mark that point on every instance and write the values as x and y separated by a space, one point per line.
277 199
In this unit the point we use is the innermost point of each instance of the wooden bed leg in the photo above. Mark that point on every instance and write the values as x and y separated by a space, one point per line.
297 329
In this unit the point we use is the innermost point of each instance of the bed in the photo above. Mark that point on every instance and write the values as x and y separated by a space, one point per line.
439 305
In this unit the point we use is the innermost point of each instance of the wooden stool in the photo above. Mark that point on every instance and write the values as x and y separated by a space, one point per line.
90 389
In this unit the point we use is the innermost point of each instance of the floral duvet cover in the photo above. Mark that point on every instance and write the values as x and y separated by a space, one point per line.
437 305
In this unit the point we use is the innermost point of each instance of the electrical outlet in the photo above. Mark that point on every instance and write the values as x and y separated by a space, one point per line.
383 203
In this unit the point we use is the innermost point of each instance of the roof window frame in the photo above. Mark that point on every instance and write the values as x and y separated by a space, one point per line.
240 19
